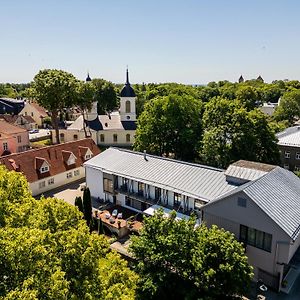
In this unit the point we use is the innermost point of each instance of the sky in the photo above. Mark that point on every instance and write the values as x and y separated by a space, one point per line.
188 41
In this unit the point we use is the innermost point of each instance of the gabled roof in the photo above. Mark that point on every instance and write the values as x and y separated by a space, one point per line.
13 118
29 160
277 193
198 181
42 111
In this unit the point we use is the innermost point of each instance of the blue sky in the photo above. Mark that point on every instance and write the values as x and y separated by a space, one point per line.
190 41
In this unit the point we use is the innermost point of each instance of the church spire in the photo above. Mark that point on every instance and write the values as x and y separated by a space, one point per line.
88 78
127 76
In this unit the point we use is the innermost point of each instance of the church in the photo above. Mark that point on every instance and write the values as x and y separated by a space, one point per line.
114 129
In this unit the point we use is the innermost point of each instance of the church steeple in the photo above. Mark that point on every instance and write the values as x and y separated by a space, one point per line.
88 78
127 77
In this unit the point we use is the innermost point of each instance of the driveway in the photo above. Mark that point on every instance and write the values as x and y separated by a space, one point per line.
68 193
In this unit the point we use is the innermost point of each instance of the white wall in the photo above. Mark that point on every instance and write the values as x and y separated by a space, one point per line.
59 180
94 181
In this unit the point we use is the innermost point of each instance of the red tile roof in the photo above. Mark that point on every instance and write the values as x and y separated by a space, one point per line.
40 109
13 118
28 162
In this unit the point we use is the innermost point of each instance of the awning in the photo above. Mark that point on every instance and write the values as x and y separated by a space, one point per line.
152 209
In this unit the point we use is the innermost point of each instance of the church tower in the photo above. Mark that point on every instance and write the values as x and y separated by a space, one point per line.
127 102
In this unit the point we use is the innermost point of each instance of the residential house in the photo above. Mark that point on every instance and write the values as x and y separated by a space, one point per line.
289 146
34 110
8 144
20 135
22 121
10 106
54 166
263 212
116 128
259 203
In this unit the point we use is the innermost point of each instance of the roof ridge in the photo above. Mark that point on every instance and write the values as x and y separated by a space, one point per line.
169 159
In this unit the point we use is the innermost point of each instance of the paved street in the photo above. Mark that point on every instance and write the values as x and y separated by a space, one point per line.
68 192
43 133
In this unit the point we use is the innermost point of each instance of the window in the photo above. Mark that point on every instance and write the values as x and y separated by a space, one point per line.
141 188
5 146
44 169
32 114
287 154
62 137
286 166
88 156
256 238
69 175
42 184
19 138
298 155
127 138
102 138
75 137
127 106
115 138
177 199
108 185
76 173
50 181
242 202
25 113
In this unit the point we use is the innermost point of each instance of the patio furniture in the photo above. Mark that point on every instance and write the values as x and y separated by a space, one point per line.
120 215
107 215
114 213
112 220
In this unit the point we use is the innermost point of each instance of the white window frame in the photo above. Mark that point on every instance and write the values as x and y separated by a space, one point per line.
69 175
44 169
76 172
5 146
297 168
287 154
19 139
286 166
297 155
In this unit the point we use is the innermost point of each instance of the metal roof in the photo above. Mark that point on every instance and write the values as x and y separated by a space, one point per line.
203 182
289 137
277 193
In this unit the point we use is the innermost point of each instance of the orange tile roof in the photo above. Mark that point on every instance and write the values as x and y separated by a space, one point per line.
8 128
40 109
27 162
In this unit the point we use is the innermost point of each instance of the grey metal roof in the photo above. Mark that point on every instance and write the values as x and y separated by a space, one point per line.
277 193
244 173
289 137
193 180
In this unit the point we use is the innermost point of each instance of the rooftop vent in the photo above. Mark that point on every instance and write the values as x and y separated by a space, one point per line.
145 155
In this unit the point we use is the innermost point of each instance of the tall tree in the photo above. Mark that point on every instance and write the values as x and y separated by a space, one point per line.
78 203
175 260
170 125
87 205
231 132
105 95
55 90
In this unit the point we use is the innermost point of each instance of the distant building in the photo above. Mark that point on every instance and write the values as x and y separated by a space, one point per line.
8 144
50 167
268 108
22 121
19 134
241 79
11 106
116 128
34 110
289 146
259 78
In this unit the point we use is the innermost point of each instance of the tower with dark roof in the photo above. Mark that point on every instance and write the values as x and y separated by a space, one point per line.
241 79
88 78
127 101
259 78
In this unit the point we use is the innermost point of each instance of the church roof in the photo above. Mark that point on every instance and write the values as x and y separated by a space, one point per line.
88 78
127 90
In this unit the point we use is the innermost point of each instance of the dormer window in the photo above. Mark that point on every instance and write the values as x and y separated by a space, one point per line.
87 156
44 169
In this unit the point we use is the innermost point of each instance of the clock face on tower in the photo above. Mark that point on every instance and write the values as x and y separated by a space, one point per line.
128 117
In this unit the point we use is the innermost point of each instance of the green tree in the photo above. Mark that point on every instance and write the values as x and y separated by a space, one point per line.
289 107
55 90
231 132
87 205
175 260
170 125
105 95
79 204
47 252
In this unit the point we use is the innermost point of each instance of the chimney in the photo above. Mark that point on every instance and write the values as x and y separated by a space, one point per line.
145 155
